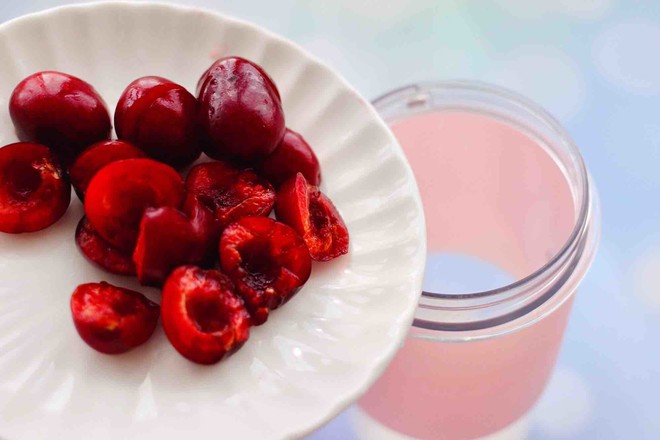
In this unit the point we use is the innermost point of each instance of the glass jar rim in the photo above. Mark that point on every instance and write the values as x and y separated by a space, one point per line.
578 248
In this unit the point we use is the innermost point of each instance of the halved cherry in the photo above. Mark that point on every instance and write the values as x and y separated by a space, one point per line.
34 190
112 319
231 192
98 155
120 193
267 261
311 213
166 240
169 238
60 111
293 155
203 317
102 253
160 117
207 228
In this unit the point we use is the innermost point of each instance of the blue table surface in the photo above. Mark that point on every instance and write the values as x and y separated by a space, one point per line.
593 64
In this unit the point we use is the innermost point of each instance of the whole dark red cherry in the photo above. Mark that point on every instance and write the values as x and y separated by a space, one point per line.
203 317
267 261
240 111
293 155
311 213
111 319
160 117
60 111
121 192
100 252
96 157
34 190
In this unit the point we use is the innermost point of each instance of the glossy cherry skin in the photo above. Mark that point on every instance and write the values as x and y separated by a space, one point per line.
96 157
212 70
293 155
160 117
60 111
206 228
240 111
203 317
311 213
34 190
169 238
111 319
121 192
165 242
267 261
102 253
232 193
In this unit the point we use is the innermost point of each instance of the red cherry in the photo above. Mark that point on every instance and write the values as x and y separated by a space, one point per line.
160 117
60 111
267 261
111 319
165 242
120 193
34 191
207 228
169 238
240 111
96 157
232 193
213 70
102 253
307 210
203 317
293 155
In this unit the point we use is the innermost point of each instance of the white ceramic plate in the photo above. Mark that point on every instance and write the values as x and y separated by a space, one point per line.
312 358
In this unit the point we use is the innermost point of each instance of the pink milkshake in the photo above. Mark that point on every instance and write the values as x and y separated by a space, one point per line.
502 182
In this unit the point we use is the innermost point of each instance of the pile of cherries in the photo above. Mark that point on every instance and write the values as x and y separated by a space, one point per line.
222 263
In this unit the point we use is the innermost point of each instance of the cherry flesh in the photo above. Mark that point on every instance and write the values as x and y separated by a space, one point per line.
98 155
267 261
102 253
34 190
121 192
232 193
111 319
311 213
203 317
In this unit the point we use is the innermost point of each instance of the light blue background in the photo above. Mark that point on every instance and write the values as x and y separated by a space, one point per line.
595 64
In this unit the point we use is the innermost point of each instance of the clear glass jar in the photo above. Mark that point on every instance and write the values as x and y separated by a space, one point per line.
501 182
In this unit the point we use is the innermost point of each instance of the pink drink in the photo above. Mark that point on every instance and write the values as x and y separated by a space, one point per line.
492 190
